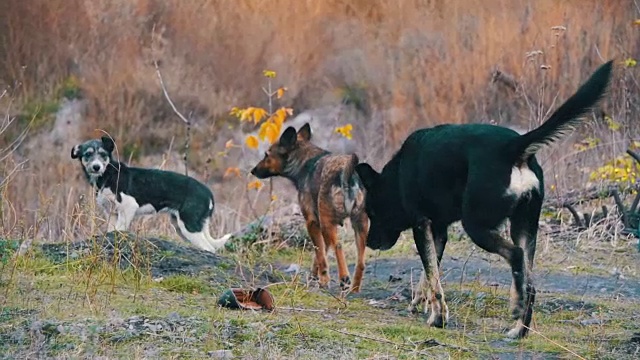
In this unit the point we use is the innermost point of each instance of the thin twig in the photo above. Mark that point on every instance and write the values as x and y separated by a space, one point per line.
464 266
300 309
166 94
173 107
555 343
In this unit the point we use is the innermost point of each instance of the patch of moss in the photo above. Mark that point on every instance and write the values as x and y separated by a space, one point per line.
184 284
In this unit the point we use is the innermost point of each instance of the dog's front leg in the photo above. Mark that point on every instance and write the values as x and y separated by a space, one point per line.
420 294
320 268
105 201
428 254
126 213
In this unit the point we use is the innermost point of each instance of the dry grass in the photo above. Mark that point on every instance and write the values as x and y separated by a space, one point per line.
419 63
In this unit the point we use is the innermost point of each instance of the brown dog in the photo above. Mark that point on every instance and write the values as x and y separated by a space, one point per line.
329 191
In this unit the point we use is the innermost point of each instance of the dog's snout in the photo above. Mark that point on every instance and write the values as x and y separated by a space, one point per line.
96 167
253 171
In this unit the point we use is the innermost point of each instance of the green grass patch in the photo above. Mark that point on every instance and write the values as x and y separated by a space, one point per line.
184 284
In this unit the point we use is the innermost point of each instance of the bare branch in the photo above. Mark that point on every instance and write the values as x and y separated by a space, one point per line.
620 205
634 155
173 107
166 94
579 196
576 216
634 204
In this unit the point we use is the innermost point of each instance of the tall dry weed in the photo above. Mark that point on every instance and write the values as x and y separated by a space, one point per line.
417 62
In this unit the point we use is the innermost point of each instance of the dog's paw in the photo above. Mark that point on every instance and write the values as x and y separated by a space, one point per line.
345 283
323 281
518 332
437 320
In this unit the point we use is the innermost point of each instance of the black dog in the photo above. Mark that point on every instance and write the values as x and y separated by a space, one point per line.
480 174
137 191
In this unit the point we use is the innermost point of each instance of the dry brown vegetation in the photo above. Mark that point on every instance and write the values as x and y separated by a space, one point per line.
405 63
394 65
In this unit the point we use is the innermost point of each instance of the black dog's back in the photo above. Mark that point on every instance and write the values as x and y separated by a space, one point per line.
433 166
163 188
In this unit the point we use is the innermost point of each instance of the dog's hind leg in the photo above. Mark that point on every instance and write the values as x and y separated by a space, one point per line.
360 225
524 231
194 235
490 240
427 250
176 227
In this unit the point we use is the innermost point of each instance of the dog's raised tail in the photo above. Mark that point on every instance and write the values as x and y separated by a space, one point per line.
349 183
565 118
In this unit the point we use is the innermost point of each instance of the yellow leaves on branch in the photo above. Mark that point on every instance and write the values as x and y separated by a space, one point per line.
280 92
251 113
232 171
252 142
271 128
345 131
612 124
630 62
255 184
269 131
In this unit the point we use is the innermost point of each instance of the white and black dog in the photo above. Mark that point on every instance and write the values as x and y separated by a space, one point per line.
138 191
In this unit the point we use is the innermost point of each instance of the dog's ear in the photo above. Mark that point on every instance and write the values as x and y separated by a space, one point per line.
75 152
108 144
367 175
305 132
288 138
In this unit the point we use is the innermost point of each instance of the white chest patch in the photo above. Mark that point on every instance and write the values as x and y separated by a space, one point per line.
523 180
